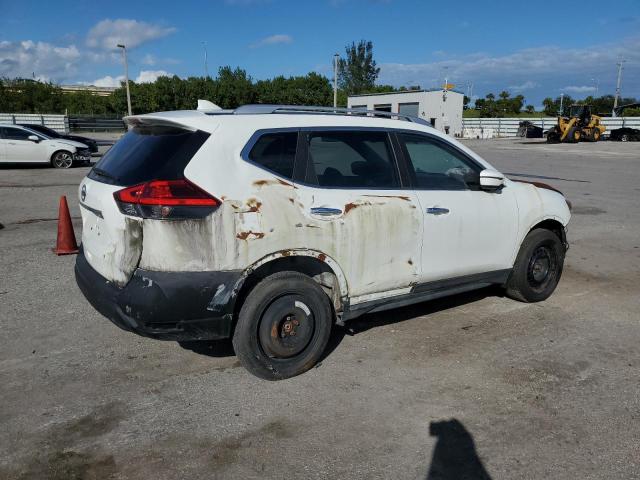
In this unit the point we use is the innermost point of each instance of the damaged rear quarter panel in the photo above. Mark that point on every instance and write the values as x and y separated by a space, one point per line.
376 241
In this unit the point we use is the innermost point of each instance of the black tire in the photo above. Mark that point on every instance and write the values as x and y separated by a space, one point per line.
538 267
624 137
283 326
596 135
62 159
571 138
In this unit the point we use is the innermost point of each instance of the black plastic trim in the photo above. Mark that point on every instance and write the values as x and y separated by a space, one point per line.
162 305
428 291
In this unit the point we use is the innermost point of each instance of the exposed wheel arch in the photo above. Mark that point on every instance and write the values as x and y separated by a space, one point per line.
317 265
553 225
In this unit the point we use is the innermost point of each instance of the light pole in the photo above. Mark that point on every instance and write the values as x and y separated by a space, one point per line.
561 98
335 80
206 67
615 100
126 75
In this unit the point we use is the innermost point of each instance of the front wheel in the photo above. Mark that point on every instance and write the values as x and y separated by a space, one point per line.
62 159
538 267
283 326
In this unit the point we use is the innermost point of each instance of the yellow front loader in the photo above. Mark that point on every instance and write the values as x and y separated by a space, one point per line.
580 125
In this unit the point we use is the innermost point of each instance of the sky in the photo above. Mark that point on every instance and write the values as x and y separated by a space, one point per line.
536 49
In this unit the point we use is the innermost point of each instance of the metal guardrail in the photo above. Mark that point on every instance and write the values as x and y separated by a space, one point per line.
96 124
508 127
58 123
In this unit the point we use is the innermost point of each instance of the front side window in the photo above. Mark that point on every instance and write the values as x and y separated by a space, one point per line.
16 134
438 166
351 159
276 152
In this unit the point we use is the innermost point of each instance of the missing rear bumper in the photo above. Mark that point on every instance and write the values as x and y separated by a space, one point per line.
162 305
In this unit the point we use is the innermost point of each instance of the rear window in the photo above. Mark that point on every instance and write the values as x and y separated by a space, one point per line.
148 153
276 152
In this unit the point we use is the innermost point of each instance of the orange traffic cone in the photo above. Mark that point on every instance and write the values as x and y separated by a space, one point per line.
66 243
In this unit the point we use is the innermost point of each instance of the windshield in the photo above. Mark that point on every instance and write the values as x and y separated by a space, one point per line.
43 131
576 110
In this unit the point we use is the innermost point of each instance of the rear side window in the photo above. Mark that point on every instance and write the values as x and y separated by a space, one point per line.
276 152
351 159
148 153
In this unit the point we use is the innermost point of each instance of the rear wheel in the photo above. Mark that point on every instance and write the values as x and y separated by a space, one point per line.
596 135
624 138
283 326
538 267
62 159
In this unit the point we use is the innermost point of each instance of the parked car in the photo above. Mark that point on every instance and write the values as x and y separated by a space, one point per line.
51 133
625 134
269 224
24 145
529 130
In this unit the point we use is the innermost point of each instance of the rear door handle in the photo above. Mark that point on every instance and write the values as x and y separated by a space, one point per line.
326 211
437 211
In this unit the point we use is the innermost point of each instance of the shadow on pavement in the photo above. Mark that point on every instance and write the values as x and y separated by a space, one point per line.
454 456
224 348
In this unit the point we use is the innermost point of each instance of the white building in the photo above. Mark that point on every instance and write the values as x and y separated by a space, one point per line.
443 109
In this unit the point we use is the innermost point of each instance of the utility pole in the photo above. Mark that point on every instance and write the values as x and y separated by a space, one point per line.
335 80
561 98
206 67
126 76
615 100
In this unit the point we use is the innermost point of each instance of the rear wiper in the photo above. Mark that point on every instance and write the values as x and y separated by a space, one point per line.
104 173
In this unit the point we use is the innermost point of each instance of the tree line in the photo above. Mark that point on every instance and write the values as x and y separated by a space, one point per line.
357 73
232 87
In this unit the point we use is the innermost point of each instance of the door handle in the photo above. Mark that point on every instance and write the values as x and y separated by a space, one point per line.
325 211
437 211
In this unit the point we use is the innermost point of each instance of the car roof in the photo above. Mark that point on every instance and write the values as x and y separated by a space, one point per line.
278 116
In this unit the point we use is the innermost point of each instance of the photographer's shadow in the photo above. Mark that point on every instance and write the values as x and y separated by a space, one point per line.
454 456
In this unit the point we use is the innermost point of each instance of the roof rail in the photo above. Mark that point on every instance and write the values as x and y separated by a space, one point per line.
265 109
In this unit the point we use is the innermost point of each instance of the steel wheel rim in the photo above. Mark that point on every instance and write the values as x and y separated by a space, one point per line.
542 267
62 160
286 328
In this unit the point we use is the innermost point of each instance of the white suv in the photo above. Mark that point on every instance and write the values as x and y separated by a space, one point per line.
268 224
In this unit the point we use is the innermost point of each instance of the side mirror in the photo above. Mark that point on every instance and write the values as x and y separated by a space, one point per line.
491 180
34 138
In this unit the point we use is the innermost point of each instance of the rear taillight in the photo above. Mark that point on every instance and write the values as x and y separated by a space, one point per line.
165 199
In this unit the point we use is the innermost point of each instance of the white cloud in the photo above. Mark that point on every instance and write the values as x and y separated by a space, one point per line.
580 89
528 85
108 33
145 76
46 61
272 40
108 81
548 67
149 76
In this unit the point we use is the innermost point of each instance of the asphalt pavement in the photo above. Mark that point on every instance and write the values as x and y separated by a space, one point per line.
476 384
